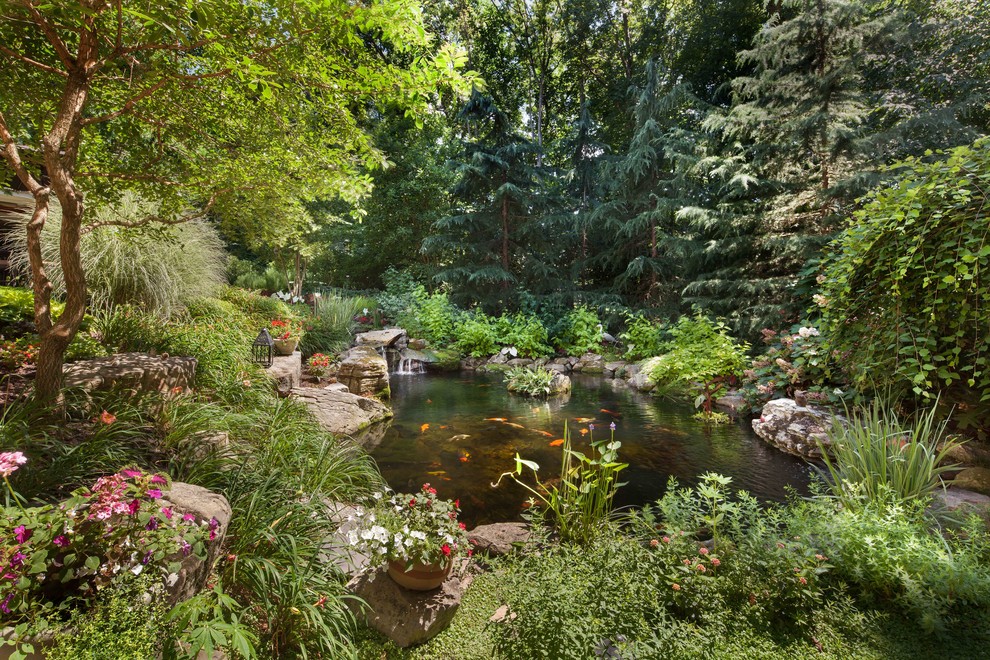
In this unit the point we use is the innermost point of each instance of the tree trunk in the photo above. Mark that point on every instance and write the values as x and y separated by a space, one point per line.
505 233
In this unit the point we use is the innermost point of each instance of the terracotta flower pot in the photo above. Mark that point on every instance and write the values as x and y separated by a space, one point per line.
285 346
419 577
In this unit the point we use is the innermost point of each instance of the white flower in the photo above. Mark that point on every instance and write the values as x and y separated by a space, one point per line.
137 568
808 332
377 496
418 535
352 537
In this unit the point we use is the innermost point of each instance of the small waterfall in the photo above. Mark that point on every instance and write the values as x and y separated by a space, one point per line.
410 366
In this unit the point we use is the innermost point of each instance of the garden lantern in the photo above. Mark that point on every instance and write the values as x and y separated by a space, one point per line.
261 349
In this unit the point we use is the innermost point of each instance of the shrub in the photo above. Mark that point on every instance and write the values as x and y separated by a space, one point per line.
476 335
904 290
332 326
399 294
874 456
159 267
434 316
795 359
526 334
582 332
700 351
643 337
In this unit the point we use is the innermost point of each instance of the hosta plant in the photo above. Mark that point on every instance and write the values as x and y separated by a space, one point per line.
531 382
410 528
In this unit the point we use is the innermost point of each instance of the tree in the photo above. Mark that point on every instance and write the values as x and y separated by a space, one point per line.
490 244
190 104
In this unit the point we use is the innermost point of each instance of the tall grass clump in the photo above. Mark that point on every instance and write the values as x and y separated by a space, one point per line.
874 454
331 328
158 267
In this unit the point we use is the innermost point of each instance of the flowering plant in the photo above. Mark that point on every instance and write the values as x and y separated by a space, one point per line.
321 365
285 329
17 353
410 528
59 556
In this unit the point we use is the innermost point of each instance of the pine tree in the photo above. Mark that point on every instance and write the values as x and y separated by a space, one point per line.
491 245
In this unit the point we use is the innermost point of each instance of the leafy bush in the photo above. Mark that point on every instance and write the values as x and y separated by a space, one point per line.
526 334
700 351
875 456
531 382
18 353
399 294
795 359
904 290
582 332
435 316
17 305
159 267
476 335
886 551
643 337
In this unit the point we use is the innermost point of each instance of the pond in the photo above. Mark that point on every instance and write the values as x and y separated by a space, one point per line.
459 432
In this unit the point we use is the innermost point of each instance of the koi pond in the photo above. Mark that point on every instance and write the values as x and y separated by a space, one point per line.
459 432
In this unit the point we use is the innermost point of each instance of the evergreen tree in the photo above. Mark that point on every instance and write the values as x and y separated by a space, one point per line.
491 244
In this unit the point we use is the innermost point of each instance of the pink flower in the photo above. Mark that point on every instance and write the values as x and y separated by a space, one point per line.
133 474
715 562
61 540
154 493
462 526
803 580
134 507
700 568
666 539
675 587
10 461
654 543
188 517
107 418
703 550
821 557
167 511
159 480
412 503
22 533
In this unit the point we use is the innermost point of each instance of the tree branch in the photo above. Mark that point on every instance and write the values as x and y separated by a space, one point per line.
63 52
13 156
147 220
34 63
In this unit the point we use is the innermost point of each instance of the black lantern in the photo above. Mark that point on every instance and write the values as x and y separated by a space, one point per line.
261 349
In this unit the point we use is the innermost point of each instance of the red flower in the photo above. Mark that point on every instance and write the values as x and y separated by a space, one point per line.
412 503
462 526
803 580
107 418
457 504
445 549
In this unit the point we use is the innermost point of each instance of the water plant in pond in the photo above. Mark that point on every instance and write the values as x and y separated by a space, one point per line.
410 528
531 382
874 455
582 499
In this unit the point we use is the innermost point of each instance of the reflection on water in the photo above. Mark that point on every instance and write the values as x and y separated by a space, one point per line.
459 432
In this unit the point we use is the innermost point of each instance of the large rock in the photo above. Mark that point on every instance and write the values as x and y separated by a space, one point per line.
363 371
137 372
205 505
614 369
342 413
389 338
499 539
732 403
472 363
641 378
407 617
969 454
960 503
976 479
590 363
418 344
559 368
519 362
795 429
286 370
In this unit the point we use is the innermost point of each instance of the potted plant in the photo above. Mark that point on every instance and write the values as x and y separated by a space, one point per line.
418 536
286 334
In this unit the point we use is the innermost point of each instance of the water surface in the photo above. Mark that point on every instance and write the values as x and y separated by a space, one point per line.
446 432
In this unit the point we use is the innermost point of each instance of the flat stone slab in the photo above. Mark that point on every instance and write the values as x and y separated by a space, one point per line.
342 413
499 539
407 617
135 371
388 337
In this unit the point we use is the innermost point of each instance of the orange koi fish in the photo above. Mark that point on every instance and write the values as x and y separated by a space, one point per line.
558 442
429 400
437 473
422 429
514 425
609 412
584 420
465 458
544 433
584 431
444 427
495 419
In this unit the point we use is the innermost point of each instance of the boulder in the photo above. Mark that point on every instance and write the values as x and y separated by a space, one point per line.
499 358
614 369
137 372
960 503
561 384
418 344
795 429
406 617
976 479
499 539
969 454
559 368
519 362
342 413
205 505
442 360
335 387
363 371
472 363
732 403
641 378
286 370
590 363
389 338
540 362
